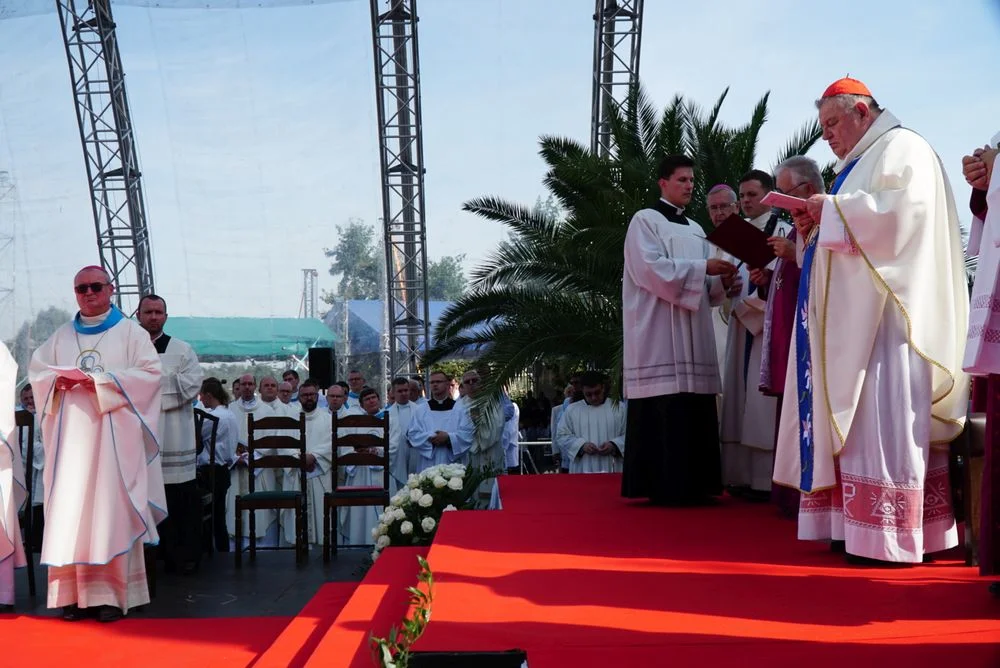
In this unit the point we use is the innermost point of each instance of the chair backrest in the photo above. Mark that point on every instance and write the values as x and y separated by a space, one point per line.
199 422
25 423
276 442
361 441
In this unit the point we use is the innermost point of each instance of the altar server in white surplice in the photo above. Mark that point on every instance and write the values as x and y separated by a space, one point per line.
12 490
180 533
246 404
406 442
449 425
319 455
671 374
592 431
748 416
356 523
876 358
98 381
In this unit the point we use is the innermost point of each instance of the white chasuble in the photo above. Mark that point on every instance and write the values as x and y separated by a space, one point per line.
180 384
747 417
982 347
582 423
887 318
319 444
12 490
408 445
669 346
450 417
265 480
104 491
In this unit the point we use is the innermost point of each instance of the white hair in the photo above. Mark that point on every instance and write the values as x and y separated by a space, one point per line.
805 170
847 101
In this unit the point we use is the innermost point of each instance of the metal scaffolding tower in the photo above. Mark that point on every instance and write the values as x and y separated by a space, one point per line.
307 309
617 37
8 228
397 93
106 132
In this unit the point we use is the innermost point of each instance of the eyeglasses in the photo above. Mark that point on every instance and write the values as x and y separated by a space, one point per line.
93 287
793 189
471 381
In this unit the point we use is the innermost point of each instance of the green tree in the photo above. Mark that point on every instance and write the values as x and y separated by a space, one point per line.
34 333
359 262
553 291
445 278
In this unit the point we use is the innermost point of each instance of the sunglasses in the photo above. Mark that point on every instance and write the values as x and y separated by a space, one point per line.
93 287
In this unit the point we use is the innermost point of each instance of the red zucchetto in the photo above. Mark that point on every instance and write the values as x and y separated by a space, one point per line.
847 86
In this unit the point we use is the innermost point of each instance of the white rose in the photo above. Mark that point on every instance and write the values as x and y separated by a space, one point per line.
449 507
406 528
399 514
439 482
400 496
455 484
426 501
413 481
375 555
374 533
415 495
428 524
382 542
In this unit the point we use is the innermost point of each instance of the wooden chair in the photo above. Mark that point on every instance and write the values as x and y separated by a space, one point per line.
274 500
25 423
207 493
355 496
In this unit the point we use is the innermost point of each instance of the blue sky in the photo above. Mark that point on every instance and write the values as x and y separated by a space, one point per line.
257 132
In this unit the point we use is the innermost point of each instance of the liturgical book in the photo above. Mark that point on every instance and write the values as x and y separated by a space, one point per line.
743 241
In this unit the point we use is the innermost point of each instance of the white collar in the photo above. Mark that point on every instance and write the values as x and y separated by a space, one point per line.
885 122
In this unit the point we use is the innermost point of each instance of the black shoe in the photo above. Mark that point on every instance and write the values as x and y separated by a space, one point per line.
108 613
73 613
855 560
838 546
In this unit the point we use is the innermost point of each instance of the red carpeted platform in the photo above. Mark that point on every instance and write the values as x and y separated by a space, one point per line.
578 576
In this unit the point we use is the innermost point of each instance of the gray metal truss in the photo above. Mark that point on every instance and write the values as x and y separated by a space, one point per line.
397 93
309 296
108 139
617 38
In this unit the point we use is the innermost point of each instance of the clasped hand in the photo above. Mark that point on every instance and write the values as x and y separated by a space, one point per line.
605 448
978 167
64 384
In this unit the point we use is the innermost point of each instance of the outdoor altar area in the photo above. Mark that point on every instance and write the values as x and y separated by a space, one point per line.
575 575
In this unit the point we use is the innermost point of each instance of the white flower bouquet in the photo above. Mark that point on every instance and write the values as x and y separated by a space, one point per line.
412 516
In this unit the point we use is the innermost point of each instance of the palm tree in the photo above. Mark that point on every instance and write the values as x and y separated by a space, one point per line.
552 291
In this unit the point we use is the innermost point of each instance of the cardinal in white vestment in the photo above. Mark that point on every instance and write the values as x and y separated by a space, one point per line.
266 480
671 373
180 533
98 381
877 353
12 489
592 431
319 456
748 416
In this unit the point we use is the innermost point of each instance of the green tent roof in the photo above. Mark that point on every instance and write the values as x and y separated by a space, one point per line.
250 337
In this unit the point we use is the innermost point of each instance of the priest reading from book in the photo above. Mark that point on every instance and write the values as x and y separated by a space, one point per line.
748 416
876 358
98 383
592 431
671 374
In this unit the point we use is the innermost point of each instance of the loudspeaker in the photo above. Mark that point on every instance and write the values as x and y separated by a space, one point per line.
322 366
